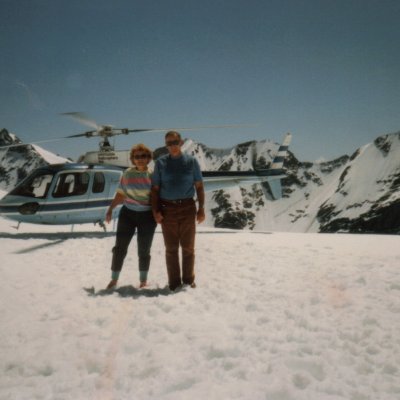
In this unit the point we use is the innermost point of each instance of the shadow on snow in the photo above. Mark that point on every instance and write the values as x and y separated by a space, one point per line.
55 235
130 291
54 238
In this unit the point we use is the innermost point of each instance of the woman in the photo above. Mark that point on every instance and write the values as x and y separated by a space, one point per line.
134 193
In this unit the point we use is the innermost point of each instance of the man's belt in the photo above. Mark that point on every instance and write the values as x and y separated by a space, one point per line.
177 202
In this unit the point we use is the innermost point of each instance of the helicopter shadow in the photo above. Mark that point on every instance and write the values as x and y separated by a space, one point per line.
131 291
55 235
38 247
54 238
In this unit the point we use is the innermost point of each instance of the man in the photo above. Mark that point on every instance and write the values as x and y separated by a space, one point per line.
175 180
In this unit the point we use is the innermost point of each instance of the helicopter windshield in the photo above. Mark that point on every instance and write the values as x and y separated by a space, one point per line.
71 184
35 186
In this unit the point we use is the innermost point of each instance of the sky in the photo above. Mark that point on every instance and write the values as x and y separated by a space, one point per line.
326 71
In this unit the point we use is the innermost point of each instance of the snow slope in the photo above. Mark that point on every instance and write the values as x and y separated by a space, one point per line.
275 316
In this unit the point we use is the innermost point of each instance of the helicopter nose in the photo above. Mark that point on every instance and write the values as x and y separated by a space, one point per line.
28 208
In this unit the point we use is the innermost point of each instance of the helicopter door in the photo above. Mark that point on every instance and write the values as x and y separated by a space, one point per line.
68 200
98 200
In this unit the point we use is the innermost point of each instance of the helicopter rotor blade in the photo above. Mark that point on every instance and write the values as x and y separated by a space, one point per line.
120 131
193 128
109 131
83 119
84 134
126 131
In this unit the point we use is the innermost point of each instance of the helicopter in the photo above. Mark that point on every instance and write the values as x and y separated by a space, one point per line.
78 193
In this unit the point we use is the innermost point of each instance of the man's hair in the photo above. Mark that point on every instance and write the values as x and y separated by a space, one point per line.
140 147
173 133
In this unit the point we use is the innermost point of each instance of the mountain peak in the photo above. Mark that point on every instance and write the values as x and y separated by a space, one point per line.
7 138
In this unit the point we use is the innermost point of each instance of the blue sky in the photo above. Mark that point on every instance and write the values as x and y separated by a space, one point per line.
327 71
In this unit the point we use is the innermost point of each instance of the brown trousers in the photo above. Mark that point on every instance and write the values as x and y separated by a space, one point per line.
179 230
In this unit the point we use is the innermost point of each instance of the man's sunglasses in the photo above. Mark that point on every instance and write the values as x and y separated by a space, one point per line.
173 143
141 156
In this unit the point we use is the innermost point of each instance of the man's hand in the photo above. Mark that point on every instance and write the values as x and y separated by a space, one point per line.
200 216
200 198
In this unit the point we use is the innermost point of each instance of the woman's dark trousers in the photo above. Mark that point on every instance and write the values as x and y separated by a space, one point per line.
128 222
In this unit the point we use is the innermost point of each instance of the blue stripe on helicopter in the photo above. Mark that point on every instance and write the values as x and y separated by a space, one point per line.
12 208
8 209
48 207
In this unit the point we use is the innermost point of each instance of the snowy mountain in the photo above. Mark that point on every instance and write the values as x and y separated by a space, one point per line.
367 195
350 194
17 162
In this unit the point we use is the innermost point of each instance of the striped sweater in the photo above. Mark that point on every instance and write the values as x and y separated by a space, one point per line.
136 186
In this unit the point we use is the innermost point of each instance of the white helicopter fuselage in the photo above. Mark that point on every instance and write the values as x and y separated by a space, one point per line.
63 194
67 194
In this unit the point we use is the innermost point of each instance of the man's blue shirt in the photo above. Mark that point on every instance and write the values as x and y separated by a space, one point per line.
176 176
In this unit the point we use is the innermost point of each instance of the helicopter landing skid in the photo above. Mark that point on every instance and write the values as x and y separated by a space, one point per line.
102 224
17 227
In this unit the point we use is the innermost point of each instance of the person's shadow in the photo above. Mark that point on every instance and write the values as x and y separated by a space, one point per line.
130 291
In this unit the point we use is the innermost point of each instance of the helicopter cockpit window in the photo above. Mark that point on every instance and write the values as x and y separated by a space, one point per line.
35 186
71 184
98 183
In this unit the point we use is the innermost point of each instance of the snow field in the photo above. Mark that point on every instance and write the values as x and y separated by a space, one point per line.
275 316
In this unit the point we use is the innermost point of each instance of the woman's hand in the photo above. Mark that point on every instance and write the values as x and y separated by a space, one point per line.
109 215
158 217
